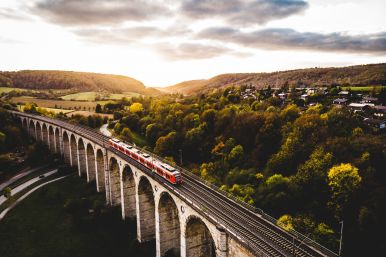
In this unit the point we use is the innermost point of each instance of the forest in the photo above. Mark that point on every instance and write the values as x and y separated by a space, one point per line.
359 75
78 81
311 167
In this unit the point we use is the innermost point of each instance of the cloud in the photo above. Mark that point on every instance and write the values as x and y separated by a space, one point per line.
14 14
91 12
243 12
289 39
129 34
186 51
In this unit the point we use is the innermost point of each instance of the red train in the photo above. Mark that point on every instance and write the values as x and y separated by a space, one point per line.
164 170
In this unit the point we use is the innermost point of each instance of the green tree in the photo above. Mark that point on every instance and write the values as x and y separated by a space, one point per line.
236 155
344 180
98 108
7 192
165 145
126 134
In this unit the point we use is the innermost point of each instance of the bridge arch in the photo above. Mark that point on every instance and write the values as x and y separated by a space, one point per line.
128 193
51 137
45 134
73 150
100 171
81 160
146 210
199 241
38 131
32 128
169 226
24 124
91 172
66 147
115 182
57 140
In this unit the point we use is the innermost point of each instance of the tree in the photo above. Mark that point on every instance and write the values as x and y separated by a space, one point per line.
165 145
236 155
290 113
7 192
344 180
98 108
2 140
126 134
136 108
285 221
117 127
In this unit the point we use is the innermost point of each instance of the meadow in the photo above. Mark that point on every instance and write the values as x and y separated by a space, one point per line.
54 110
364 89
91 96
57 104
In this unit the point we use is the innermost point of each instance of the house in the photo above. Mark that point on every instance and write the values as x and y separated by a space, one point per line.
369 99
344 94
340 101
378 124
282 95
304 97
359 106
379 110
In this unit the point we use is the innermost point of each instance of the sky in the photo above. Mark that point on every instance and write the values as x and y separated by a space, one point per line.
164 42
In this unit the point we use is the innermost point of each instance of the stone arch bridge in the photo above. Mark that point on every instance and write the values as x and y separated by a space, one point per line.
194 219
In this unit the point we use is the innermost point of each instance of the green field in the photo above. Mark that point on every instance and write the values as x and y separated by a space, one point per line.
57 104
56 221
54 110
9 89
83 96
90 96
124 94
363 89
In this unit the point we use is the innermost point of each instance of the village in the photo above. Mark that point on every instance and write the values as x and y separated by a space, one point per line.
369 105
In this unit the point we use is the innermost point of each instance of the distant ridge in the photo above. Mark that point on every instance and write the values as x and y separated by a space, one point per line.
78 81
359 75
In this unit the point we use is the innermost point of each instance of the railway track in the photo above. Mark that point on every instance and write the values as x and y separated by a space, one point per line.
260 234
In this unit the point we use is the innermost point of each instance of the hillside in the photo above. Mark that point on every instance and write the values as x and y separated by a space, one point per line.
78 81
360 75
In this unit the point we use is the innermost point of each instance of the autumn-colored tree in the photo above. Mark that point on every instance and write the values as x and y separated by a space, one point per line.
344 180
136 108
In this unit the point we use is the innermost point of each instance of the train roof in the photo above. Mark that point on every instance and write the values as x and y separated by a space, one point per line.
168 167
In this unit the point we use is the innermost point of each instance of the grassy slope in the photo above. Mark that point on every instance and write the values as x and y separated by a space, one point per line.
90 96
41 226
51 103
78 81
374 74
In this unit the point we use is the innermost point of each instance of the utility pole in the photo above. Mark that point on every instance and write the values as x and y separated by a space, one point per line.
180 156
341 238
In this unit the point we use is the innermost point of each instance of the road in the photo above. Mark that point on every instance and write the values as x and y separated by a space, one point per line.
2 215
19 176
105 131
26 184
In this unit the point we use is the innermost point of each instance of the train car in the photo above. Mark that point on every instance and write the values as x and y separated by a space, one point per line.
162 169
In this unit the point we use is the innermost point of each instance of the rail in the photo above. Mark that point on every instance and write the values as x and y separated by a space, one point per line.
258 211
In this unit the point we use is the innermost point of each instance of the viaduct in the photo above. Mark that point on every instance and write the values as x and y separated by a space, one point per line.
193 219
